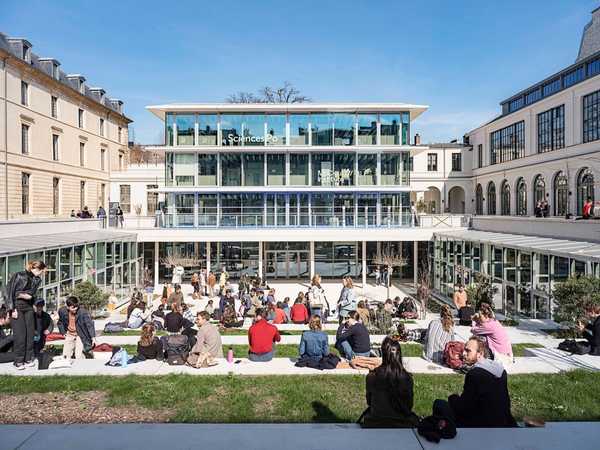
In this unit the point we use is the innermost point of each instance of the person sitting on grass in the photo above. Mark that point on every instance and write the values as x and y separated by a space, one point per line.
299 313
176 298
363 313
383 317
187 313
208 339
6 341
139 316
280 316
591 331
132 305
76 324
261 337
174 320
485 400
352 337
149 346
465 314
210 309
439 333
486 326
389 391
314 343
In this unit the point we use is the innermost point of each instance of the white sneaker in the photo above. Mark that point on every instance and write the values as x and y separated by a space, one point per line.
19 366
31 363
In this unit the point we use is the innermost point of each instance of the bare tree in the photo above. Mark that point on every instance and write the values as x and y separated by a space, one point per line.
423 287
390 259
179 260
287 93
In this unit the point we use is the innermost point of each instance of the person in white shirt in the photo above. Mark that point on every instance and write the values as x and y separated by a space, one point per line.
139 316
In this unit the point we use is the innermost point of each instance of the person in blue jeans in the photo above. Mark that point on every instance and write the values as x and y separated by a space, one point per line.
352 337
314 344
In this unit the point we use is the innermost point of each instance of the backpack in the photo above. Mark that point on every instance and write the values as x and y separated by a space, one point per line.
177 348
119 358
434 428
574 347
113 327
453 354
44 360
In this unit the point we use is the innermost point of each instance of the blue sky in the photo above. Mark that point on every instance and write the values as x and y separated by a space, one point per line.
461 58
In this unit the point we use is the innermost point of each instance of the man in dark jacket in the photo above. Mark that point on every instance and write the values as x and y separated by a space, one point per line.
6 342
352 338
78 327
591 331
43 326
485 401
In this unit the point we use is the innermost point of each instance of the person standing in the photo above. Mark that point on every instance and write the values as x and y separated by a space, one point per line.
203 282
212 282
347 300
76 324
587 208
316 296
119 216
101 214
460 297
21 293
43 326
377 276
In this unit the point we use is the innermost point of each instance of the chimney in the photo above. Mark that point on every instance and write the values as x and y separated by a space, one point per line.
417 139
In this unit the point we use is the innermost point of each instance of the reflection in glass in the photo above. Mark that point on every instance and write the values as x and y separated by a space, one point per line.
254 169
185 129
321 129
231 169
207 169
392 169
390 129
254 130
405 128
207 129
231 129
207 210
322 169
298 129
367 129
367 169
344 129
276 169
276 129
169 125
299 169
184 169
344 169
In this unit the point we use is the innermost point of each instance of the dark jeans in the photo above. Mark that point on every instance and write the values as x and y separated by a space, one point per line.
24 331
441 408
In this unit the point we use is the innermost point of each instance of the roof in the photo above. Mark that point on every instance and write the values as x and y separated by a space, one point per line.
160 110
560 247
21 244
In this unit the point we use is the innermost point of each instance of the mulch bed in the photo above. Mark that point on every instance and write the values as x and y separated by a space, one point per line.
73 407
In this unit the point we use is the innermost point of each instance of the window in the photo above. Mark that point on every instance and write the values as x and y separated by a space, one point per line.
102 158
80 118
505 199
561 194
521 197
411 164
298 129
101 127
120 162
551 87
207 169
125 198
186 124
24 93
491 199
119 132
26 55
55 196
539 189
591 117
479 200
25 193
456 162
480 156
55 147
151 198
508 143
81 195
551 129
81 154
54 106
24 139
102 199
585 188
574 77
432 162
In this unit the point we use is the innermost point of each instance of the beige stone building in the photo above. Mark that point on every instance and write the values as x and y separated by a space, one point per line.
59 138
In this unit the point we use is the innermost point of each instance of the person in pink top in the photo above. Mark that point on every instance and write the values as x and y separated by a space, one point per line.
486 325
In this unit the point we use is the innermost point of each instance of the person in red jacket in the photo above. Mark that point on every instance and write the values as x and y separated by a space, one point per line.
299 313
261 337
280 316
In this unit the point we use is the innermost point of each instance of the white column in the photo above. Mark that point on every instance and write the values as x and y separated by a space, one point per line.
207 258
260 259
415 262
156 259
364 264
312 258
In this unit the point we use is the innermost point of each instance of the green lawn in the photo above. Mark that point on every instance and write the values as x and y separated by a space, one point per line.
305 399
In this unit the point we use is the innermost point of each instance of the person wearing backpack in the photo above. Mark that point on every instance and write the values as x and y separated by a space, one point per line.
347 300
485 400
389 390
20 294
439 333
76 324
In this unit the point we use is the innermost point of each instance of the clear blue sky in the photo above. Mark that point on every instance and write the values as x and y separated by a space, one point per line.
460 58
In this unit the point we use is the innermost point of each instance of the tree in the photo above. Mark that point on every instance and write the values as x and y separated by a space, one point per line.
268 94
573 297
481 290
90 296
390 259
424 287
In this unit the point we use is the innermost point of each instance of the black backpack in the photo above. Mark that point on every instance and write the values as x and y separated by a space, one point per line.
177 348
575 347
44 360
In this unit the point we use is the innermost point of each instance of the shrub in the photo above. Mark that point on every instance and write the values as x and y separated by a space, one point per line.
481 290
90 296
572 297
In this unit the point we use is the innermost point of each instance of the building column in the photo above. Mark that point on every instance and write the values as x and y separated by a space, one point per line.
260 258
416 263
312 258
207 258
156 260
364 264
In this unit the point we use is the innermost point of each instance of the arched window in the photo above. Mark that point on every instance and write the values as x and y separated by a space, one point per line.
585 188
505 198
561 194
479 200
491 199
539 189
521 197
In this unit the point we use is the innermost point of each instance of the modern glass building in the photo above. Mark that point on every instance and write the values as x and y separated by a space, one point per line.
285 190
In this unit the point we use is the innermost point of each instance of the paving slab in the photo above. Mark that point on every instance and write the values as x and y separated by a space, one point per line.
211 436
14 436
565 360
554 436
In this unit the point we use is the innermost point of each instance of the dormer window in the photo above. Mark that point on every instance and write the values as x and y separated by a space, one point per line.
26 53
55 72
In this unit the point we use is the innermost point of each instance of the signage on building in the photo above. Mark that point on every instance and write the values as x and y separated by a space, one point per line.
233 139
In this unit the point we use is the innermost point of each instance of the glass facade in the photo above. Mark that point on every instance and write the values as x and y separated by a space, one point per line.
508 143
591 117
551 129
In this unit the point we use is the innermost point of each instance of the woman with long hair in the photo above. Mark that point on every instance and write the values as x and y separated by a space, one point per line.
21 294
493 332
439 333
316 296
149 346
389 391
347 300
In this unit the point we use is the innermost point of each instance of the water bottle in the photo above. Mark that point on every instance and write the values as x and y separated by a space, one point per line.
230 355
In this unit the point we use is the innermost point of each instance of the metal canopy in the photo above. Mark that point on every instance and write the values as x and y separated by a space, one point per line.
22 244
560 247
